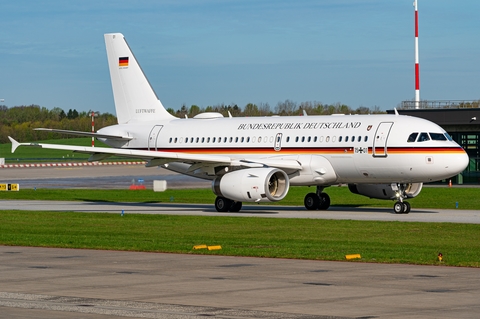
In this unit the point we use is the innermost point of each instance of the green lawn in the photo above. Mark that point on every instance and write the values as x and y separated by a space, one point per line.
381 242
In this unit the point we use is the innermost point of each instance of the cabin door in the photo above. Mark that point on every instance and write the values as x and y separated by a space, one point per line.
152 138
380 139
278 142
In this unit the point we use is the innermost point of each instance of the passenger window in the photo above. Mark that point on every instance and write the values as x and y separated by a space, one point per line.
231 139
327 139
353 138
248 139
236 139
315 139
309 139
412 137
214 139
346 138
303 139
366 138
288 139
438 137
359 139
423 137
340 138
296 139
198 139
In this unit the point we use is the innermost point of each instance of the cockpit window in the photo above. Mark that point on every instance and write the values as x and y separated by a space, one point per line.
412 137
438 137
423 137
448 137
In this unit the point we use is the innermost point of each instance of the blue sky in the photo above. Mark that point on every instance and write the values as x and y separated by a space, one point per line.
359 53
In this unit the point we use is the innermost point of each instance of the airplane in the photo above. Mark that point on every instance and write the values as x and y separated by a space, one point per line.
257 159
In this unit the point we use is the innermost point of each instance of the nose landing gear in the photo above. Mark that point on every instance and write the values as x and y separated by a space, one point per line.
401 207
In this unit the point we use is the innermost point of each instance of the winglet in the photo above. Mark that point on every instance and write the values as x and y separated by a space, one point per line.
15 144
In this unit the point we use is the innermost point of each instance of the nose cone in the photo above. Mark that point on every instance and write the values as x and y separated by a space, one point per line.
458 163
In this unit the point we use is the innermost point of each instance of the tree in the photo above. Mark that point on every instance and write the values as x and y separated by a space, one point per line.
194 110
251 110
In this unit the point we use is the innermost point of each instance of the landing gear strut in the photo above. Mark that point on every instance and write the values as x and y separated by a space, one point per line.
400 207
223 205
318 200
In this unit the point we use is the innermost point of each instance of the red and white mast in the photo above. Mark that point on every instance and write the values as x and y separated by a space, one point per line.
417 64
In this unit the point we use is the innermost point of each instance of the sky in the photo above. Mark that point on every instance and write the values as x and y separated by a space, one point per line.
212 52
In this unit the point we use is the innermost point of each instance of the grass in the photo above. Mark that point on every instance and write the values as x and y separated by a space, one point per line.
430 197
381 242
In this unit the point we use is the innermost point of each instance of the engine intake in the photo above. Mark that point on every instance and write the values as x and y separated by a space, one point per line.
253 185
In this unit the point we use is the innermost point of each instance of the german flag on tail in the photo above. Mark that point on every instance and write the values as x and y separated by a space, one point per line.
123 61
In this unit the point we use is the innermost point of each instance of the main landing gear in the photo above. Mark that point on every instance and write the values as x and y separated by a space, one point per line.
224 205
318 200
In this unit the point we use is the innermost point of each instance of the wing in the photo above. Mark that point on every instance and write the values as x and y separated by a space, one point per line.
195 162
79 133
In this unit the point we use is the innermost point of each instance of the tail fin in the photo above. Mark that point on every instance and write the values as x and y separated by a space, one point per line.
135 99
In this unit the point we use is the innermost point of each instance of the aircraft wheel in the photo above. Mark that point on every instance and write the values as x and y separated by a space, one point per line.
324 201
398 208
236 206
311 201
406 207
222 204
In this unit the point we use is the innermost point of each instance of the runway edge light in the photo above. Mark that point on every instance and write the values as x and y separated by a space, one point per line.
353 256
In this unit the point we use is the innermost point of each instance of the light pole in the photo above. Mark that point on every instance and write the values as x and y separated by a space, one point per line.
94 115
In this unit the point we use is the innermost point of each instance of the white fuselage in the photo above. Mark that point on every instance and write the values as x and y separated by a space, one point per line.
331 149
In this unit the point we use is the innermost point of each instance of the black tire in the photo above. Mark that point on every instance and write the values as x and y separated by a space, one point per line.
398 208
324 201
311 201
222 204
406 207
236 206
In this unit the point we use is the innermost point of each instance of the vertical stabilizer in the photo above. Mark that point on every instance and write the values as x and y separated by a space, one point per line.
135 99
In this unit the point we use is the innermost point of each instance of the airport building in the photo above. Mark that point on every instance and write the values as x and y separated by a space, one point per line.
461 119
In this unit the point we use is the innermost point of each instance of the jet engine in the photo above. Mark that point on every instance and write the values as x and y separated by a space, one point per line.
386 191
253 185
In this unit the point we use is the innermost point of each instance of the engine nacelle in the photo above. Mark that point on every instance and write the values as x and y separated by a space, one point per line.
384 191
253 185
